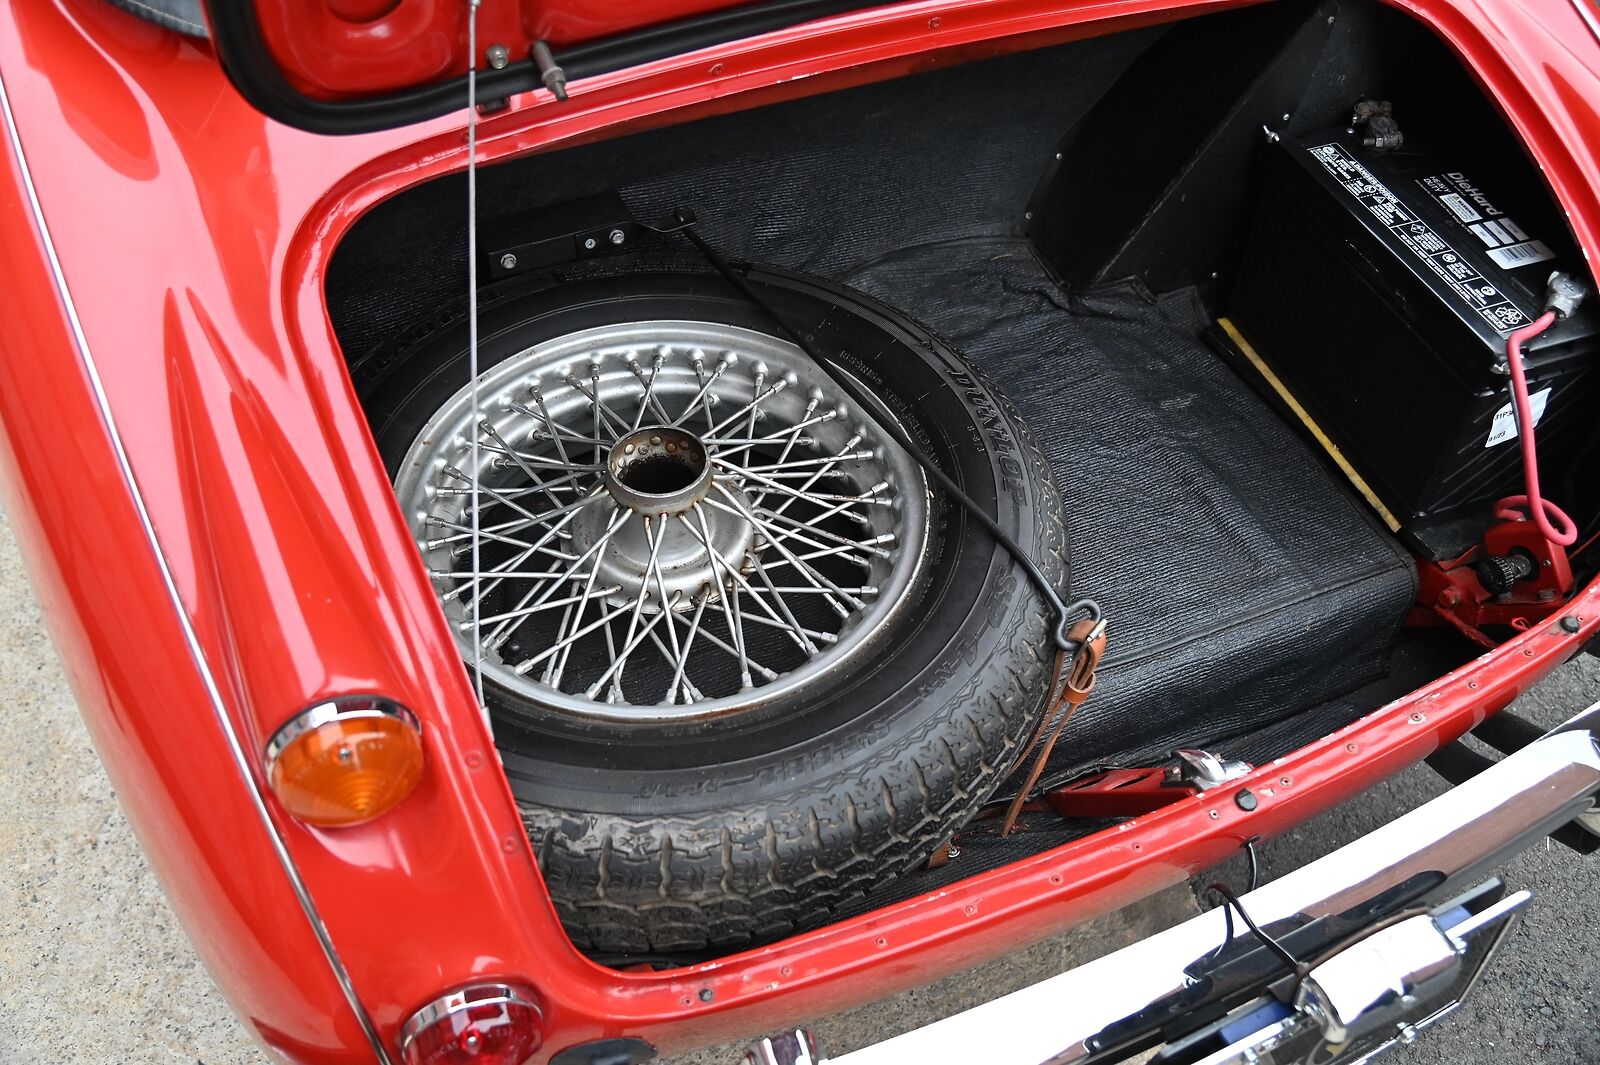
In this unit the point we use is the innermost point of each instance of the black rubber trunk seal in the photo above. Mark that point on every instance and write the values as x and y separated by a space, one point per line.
250 66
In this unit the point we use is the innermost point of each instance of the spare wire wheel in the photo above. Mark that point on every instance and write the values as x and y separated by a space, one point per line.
742 663
678 518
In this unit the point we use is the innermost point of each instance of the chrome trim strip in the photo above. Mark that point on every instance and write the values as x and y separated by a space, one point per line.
461 1000
1092 1009
342 708
1587 13
202 667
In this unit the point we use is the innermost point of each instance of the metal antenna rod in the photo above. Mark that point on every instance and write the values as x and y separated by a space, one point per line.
472 343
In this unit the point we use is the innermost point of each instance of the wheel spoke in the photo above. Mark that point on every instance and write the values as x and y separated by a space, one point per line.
749 408
792 437
729 613
867 544
739 579
619 662
550 423
820 498
680 677
539 545
808 572
568 641
647 399
600 407
558 665
805 423
774 535
676 659
703 396
551 605
801 464
501 634
807 635
821 473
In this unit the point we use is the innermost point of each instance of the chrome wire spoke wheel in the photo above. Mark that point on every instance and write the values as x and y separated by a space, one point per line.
676 519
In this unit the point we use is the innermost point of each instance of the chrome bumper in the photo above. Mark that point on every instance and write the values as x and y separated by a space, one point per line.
1143 994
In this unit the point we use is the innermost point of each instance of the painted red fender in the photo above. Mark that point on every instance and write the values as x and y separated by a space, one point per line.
216 545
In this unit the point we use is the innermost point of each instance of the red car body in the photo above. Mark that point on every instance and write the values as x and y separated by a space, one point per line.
213 535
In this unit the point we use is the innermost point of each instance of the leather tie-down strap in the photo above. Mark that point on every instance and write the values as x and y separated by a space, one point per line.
1074 680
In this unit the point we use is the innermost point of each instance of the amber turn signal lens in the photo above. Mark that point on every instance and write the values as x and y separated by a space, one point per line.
345 761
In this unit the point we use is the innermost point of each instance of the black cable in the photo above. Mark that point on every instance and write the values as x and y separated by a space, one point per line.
1232 900
1065 612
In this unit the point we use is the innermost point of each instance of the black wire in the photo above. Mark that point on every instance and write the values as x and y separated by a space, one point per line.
1232 900
1255 882
1064 611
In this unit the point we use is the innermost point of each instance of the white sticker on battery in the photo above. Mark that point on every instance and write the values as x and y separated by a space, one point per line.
1420 239
1504 426
1533 251
1460 207
1484 235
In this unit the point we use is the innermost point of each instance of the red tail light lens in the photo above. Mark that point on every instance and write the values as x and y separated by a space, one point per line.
484 1024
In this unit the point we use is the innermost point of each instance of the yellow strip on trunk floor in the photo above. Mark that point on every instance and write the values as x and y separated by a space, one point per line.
1310 423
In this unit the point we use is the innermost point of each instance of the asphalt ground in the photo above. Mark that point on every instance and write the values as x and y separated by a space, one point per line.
93 966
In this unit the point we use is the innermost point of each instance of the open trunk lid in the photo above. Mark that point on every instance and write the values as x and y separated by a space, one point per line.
355 66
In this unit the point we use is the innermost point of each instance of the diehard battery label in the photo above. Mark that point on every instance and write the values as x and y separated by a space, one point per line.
1507 243
1460 276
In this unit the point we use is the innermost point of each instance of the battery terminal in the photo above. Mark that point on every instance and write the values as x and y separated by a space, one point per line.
1382 133
1563 293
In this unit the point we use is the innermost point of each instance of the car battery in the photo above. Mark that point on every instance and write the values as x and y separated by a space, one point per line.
1380 288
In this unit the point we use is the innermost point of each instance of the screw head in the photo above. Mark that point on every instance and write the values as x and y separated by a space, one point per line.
616 236
508 261
498 55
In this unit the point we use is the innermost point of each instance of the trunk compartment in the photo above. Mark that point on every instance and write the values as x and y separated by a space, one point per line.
1075 219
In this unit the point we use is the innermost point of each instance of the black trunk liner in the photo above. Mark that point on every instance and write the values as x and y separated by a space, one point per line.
1242 583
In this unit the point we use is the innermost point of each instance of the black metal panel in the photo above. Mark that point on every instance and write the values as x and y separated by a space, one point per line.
1156 181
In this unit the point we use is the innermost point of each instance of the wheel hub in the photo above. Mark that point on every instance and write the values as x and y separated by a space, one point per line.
662 474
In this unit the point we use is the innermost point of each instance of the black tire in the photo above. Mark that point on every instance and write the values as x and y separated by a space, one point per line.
679 838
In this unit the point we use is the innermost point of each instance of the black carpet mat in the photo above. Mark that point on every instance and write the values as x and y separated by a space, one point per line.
1241 581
